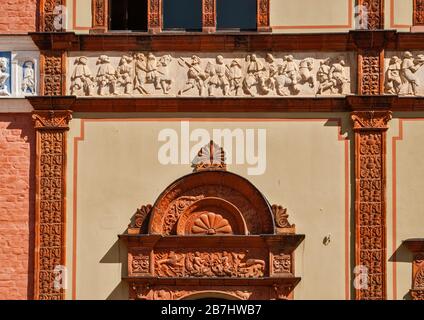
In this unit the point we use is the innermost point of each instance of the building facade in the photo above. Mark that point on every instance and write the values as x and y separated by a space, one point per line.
255 149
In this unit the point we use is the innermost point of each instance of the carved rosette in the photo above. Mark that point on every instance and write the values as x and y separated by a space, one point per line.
209 15
99 15
371 64
50 226
52 73
418 12
263 15
370 211
52 15
375 13
154 15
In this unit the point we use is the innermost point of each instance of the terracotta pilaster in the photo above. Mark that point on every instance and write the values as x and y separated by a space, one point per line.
208 15
99 16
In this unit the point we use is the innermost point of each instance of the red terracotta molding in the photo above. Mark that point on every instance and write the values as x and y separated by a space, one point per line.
154 16
370 202
53 73
375 11
416 246
370 72
418 19
100 14
263 16
49 11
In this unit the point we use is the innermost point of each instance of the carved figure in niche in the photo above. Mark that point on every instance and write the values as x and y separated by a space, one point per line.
163 78
28 80
255 76
323 76
82 79
338 77
171 265
4 76
125 74
218 76
235 76
408 69
140 73
106 76
305 71
393 78
195 75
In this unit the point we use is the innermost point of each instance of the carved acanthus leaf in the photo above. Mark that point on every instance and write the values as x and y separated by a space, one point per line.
371 119
281 216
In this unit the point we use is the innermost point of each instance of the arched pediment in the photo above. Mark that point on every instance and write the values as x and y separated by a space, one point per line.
215 194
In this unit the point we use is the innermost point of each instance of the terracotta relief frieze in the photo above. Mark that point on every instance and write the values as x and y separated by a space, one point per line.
51 127
53 73
370 203
404 73
206 75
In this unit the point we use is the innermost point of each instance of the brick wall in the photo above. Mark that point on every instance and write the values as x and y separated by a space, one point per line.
17 16
16 205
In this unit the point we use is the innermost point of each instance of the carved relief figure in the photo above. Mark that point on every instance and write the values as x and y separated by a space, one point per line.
323 76
218 74
140 73
4 76
125 74
393 78
235 76
28 80
338 77
171 265
163 77
106 76
255 76
408 69
82 79
305 71
195 75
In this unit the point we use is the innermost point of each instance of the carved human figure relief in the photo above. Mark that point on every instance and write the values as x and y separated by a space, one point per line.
82 79
218 74
125 74
408 69
140 73
106 76
164 79
255 76
338 77
28 78
4 76
235 76
195 75
393 81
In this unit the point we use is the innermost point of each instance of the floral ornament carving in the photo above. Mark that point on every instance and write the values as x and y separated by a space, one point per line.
374 12
418 12
209 13
210 157
281 216
99 13
370 214
282 263
52 15
154 14
140 262
401 74
211 224
369 63
263 14
51 73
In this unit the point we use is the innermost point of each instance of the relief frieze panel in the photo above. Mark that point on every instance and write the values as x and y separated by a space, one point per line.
174 74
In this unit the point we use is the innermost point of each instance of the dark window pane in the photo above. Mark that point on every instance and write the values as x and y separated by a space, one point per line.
236 14
182 14
128 15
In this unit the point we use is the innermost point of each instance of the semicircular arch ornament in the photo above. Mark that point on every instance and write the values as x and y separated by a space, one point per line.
218 232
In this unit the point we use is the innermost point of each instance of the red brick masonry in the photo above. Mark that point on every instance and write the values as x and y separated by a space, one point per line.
17 16
16 205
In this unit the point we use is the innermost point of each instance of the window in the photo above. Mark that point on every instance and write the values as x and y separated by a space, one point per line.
185 15
128 15
236 14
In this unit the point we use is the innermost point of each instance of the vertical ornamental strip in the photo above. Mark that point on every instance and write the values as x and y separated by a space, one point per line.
154 16
374 13
262 16
99 16
370 201
50 215
208 15
418 12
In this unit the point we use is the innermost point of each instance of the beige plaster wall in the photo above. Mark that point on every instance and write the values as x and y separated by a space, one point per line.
398 14
118 171
405 176
81 23
312 15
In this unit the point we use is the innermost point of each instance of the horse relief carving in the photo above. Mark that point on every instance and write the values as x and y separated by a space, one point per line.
210 75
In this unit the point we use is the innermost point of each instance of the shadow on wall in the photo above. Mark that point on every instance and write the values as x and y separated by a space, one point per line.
402 254
117 253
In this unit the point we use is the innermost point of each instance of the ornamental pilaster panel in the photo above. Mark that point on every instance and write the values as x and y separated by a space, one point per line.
53 73
263 12
209 15
416 246
371 72
52 16
418 12
99 16
154 16
374 13
370 201
50 215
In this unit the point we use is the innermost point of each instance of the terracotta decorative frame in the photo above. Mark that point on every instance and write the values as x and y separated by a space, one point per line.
50 12
216 231
375 11
155 20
